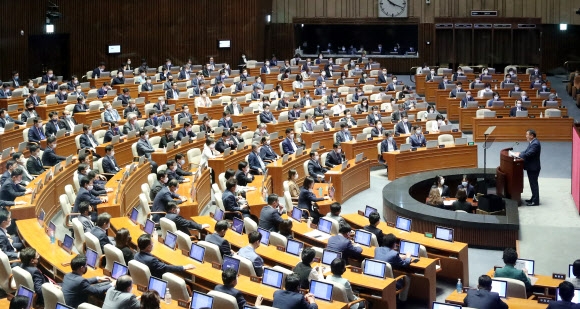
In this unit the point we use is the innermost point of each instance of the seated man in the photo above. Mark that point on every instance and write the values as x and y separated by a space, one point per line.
84 195
315 169
576 273
566 292
217 238
77 289
484 298
110 165
121 295
34 163
100 230
35 134
418 139
257 165
156 267
343 135
342 243
84 217
181 168
266 151
517 108
9 244
231 202
291 296
288 145
270 217
49 157
387 253
334 157
510 257
403 127
266 116
30 259
164 197
181 223
11 189
334 213
243 175
226 121
230 280
249 252
172 172
88 141
374 220
468 98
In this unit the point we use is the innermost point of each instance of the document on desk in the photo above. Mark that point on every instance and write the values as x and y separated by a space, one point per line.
512 154
316 234
533 280
447 203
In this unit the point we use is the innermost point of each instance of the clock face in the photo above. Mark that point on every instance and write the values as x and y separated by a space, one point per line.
392 8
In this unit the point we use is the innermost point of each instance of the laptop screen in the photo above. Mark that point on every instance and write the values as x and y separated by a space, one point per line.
324 225
571 271
575 299
437 305
91 258
218 215
328 256
410 248
238 225
369 210
403 224
67 242
197 252
24 291
375 268
62 306
444 233
119 270
170 240
41 215
230 262
134 215
149 227
265 236
297 214
272 278
362 237
52 226
321 290
527 264
294 247
500 287
158 285
200 300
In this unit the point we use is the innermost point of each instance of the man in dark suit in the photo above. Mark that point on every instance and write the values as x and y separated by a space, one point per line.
88 142
81 106
164 197
186 131
97 71
35 134
29 259
457 89
125 97
84 217
100 230
225 142
217 238
110 165
291 297
181 223
468 98
132 108
288 145
374 220
119 79
184 114
230 280
53 125
382 79
34 163
158 184
387 253
77 289
84 195
517 108
470 190
270 217
230 201
172 93
121 296
266 116
33 97
257 165
266 151
234 108
9 244
343 135
49 157
335 157
52 86
113 130
184 73
10 167
484 298
156 267
243 176
418 139
61 96
342 243
131 124
393 84
226 121
102 92
315 169
68 122
11 188
167 138
531 157
444 82
147 86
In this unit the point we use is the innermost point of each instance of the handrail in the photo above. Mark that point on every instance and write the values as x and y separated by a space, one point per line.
567 64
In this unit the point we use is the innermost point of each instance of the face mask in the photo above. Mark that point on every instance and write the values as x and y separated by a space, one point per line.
212 146
375 112
404 120
296 176
432 72
316 158
442 181
291 136
17 181
379 126
120 75
68 116
439 121
146 136
268 142
544 87
174 168
390 138
519 105
90 188
464 184
418 132
496 97
177 210
394 81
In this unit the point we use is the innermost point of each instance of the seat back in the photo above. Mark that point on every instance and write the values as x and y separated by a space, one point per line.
22 277
145 189
218 200
25 134
139 272
76 181
65 205
112 255
515 288
51 295
374 241
289 205
553 112
79 239
145 210
223 300
479 113
134 150
222 181
338 292
323 158
250 225
215 188
154 140
421 114
446 139
87 306
151 179
422 251
166 225
334 227
99 165
194 156
78 141
93 242
177 287
100 135
286 186
277 239
70 192
305 167
212 252
183 241
246 266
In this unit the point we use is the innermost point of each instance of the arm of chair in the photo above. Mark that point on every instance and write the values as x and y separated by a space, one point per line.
14 261
360 300
67 219
235 212
195 234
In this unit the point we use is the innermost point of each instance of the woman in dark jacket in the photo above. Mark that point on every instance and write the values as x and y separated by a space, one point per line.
307 197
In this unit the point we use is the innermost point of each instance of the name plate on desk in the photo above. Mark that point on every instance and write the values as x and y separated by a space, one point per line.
106 272
428 235
183 303
532 116
390 224
185 252
544 300
441 146
216 265
316 260
558 276
141 288
360 212
356 270
281 248
414 149
255 279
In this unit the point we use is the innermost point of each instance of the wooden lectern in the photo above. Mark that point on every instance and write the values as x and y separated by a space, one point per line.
513 171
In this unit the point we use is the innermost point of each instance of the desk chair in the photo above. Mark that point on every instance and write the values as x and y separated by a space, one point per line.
247 137
145 211
79 239
423 253
139 272
215 188
6 280
421 115
146 190
339 294
183 241
276 239
76 180
349 98
220 204
515 288
446 139
87 306
367 131
322 159
112 255
51 295
305 168
222 181
250 225
98 165
162 167
177 287
155 141
222 300
480 112
212 252
334 227
25 135
246 266
167 225
70 193
553 113
151 179
134 150
289 203
24 278
66 208
193 157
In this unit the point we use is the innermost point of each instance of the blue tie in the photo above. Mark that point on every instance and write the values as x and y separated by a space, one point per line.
40 133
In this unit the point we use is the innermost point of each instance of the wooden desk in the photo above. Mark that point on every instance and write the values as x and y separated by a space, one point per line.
465 114
255 198
123 152
545 283
12 138
514 129
88 117
43 110
352 180
454 110
513 303
248 120
213 112
4 103
221 164
279 171
133 91
161 157
422 160
98 82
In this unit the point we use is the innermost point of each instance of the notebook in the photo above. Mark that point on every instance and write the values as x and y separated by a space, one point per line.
159 285
375 268
500 287
197 252
369 210
403 224
272 278
201 300
265 236
321 290
67 243
170 240
444 233
295 247
328 256
362 237
118 270
92 257
238 225
410 248
230 262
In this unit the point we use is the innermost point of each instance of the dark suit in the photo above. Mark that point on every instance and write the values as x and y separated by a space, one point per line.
34 166
270 218
463 103
84 195
101 236
287 146
169 94
61 97
182 133
483 299
127 127
163 197
156 267
378 232
52 127
77 289
118 81
314 168
513 110
130 110
230 109
266 117
470 190
254 162
225 123
224 245
417 141
376 132
85 141
10 191
233 292
454 92
391 256
333 158
183 224
96 73
6 247
291 300
560 305
35 135
146 87
80 108
109 135
305 200
243 179
442 84
49 158
267 153
68 124
382 79
372 119
342 244
164 140
294 115
531 158
184 115
231 204
120 299
38 280
343 137
444 191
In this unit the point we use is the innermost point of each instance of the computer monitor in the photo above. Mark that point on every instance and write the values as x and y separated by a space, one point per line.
159 285
321 290
170 240
297 214
119 270
403 224
437 305
265 236
375 268
24 291
149 227
218 215
571 271
62 306
197 252
294 247
201 300
324 225
328 256
410 248
527 264
92 258
272 278
230 262
362 237
369 210
500 287
575 299
134 215
238 225
67 242
444 233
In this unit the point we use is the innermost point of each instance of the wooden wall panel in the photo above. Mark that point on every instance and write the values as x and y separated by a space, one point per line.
145 29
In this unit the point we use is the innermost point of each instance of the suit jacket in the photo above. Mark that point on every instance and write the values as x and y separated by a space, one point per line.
144 148
304 101
34 166
463 103
230 109
442 84
249 253
80 108
531 156
129 110
233 292
445 190
182 133
294 115
50 127
267 153
400 127
391 87
35 135
5 176
34 99
454 92
391 256
282 104
101 236
10 191
308 126
561 305
254 162
508 271
225 123
224 245
514 109
230 202
86 222
77 289
109 135
84 195
343 137
101 93
484 299
243 179
342 244
118 81
372 119
266 117
270 218
378 232
38 280
96 73
470 190
61 97
164 140
146 87
417 141
112 115
66 123
333 158
6 246
169 94
118 299
127 127
385 145
49 158
85 141
314 168
163 197
305 199
375 132
287 146
184 115
291 300
156 267
183 224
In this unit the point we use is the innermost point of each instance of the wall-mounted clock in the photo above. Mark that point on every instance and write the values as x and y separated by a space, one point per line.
393 8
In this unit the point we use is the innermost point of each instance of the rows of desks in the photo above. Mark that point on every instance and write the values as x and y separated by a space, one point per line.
466 114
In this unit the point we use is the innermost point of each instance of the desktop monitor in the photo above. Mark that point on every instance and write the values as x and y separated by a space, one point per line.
410 248
375 268
444 233
321 290
272 278
149 227
295 247
369 210
403 224
324 225
118 270
24 291
328 256
527 264
67 242
265 236
92 258
500 287
437 305
218 215
62 306
297 214
571 271
575 299
134 215
170 240
197 252
238 225
230 262
158 285
201 300
362 237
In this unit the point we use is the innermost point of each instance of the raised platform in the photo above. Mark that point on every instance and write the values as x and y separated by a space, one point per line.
402 198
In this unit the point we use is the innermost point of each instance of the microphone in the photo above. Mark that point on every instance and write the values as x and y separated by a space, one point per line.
515 144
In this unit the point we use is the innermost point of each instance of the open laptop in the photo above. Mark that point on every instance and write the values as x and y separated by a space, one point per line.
403 224
265 236
369 210
461 141
432 144
405 147
443 233
201 300
26 292
119 270
218 214
67 243
170 240
410 248
361 137
575 299
446 128
197 253
134 215
272 278
297 214
362 237
529 265
92 257
230 262
324 225
159 285
329 255
315 146
238 225
523 114
62 306
358 157
500 287
149 227
294 247
438 305
321 290
375 268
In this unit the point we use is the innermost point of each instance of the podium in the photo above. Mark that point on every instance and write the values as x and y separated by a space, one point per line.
512 170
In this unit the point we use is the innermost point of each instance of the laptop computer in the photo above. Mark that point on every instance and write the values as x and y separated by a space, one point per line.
92 257
361 137
523 114
410 248
265 236
26 292
285 158
527 264
9 126
315 146
296 214
438 305
298 152
432 144
500 287
238 225
170 240
321 290
159 285
218 214
149 227
375 268
369 210
444 233
119 270
67 243
62 306
295 247
78 128
403 224
272 278
324 225
201 300
197 253
329 255
363 237
230 262
318 128
445 128
405 147
461 141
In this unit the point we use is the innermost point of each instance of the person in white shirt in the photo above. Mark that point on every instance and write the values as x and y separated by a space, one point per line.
209 151
339 108
203 100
